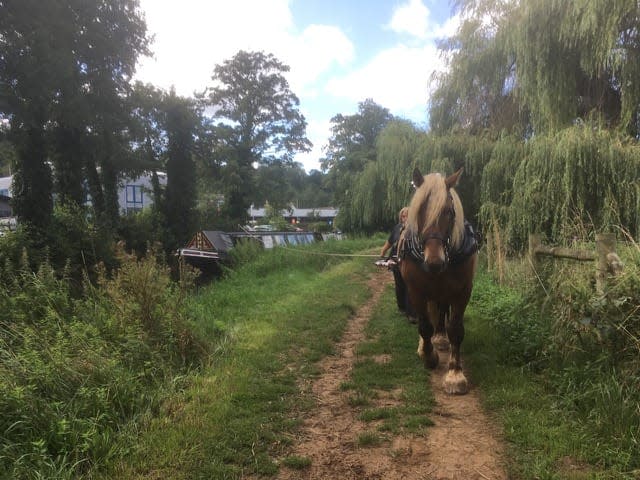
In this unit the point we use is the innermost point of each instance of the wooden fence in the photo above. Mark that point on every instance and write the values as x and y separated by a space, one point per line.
606 259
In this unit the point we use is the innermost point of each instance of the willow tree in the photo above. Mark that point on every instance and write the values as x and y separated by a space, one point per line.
578 180
475 93
352 146
396 158
553 60
383 186
447 153
496 185
362 210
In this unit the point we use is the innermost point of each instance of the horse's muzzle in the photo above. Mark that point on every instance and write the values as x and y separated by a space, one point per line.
437 266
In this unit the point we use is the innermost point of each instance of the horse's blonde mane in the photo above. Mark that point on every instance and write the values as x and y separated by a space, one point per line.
428 202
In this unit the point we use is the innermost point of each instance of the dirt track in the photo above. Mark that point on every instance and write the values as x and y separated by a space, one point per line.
462 444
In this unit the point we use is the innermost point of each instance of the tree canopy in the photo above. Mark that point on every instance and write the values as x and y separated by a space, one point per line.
260 122
65 68
538 65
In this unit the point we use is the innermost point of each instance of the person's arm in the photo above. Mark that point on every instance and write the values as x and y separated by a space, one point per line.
385 247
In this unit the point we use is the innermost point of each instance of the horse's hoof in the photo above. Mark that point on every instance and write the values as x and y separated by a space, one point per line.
455 383
441 342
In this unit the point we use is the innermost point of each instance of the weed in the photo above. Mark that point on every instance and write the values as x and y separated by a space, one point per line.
297 462
369 439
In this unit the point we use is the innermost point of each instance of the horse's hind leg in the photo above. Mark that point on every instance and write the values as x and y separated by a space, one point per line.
454 381
425 347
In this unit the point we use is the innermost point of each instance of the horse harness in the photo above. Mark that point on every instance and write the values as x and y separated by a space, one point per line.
411 245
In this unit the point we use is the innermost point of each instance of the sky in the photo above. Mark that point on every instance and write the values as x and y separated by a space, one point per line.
340 52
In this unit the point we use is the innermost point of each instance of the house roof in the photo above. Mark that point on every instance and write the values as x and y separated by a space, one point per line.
220 241
322 212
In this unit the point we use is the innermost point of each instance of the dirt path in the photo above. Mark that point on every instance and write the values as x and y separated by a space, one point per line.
461 445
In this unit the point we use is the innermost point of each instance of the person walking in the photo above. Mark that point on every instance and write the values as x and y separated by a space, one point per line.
402 295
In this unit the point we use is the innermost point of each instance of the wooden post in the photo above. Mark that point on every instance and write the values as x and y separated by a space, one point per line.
605 244
535 239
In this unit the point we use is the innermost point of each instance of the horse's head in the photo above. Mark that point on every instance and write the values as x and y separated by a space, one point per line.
436 218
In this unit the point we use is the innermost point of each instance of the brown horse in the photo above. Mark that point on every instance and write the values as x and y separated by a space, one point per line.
439 254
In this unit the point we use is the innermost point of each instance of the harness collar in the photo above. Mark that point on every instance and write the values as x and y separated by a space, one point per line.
413 244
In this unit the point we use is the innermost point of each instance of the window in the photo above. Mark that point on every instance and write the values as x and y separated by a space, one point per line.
134 198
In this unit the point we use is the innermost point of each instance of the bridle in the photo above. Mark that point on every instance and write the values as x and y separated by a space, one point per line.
415 242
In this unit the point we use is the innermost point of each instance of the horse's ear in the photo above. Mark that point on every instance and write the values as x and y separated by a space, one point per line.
418 179
452 180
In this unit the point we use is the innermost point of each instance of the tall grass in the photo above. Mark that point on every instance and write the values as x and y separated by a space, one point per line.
74 371
580 350
270 320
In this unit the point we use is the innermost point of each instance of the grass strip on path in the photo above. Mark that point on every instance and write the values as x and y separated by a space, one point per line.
237 413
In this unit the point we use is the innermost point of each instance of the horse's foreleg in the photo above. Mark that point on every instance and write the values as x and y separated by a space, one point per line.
425 347
439 311
455 382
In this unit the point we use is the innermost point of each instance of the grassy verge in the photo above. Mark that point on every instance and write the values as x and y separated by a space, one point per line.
386 362
272 319
546 439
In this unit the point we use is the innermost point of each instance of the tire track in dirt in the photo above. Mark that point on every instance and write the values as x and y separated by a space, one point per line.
462 444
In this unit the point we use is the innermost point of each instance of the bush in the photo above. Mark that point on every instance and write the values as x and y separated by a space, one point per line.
73 372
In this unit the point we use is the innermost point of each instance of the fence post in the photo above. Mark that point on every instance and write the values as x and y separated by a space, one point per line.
605 244
535 239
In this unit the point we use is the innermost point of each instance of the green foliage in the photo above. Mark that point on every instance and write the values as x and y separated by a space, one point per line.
496 185
180 196
582 391
260 122
581 175
538 65
596 346
383 187
75 242
272 319
297 462
519 330
74 372
64 82
350 152
140 229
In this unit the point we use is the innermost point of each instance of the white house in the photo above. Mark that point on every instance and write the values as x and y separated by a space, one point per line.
297 215
134 194
5 186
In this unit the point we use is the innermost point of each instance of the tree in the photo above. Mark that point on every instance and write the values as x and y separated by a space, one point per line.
147 134
261 123
65 67
540 65
179 206
351 148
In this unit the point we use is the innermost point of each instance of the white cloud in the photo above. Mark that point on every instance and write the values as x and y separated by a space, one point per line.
411 18
397 78
318 131
448 29
192 36
318 49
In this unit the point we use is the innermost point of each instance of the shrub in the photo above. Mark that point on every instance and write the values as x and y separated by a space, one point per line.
74 371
